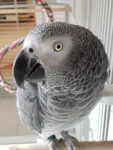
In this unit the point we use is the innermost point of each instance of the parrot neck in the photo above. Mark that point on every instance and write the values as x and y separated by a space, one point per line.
60 77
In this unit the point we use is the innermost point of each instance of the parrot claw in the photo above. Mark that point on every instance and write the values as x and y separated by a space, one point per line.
52 143
69 141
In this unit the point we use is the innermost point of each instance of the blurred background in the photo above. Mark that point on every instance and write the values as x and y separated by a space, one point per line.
17 17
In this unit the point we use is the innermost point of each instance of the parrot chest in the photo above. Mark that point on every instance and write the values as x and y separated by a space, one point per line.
62 112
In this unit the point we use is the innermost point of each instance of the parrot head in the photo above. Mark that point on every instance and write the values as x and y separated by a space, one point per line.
54 45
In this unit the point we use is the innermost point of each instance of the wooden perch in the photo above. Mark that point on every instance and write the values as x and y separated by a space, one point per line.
104 145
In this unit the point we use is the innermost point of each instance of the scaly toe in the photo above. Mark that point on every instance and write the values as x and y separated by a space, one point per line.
70 141
52 143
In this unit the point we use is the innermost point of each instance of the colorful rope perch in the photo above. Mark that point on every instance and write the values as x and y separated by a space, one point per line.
3 51
47 9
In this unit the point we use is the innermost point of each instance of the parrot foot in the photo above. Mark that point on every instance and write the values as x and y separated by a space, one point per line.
69 141
52 143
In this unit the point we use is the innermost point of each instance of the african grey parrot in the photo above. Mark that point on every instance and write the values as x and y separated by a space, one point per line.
60 75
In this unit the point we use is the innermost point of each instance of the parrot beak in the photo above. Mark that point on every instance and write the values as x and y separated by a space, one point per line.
26 68
20 68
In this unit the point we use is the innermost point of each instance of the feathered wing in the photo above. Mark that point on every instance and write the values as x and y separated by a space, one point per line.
28 106
27 73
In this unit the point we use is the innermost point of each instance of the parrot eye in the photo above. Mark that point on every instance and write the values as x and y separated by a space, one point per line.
58 47
30 50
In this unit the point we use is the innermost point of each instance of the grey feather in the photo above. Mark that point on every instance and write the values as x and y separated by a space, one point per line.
73 83
28 107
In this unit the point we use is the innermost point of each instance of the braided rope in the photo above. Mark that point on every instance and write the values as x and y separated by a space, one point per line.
47 9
